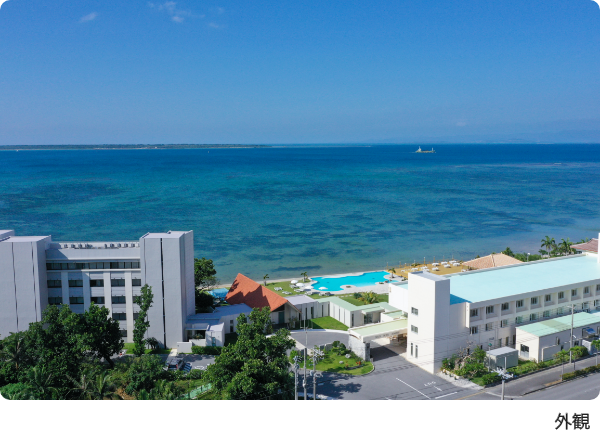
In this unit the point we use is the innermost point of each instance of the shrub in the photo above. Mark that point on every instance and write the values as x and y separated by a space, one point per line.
206 350
335 344
194 374
490 378
579 351
356 295
143 372
472 370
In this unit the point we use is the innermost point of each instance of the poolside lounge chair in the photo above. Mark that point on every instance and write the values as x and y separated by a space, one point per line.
435 269
286 293
447 266
278 289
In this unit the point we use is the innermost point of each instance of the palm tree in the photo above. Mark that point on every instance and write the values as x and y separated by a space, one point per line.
104 388
83 385
543 252
584 241
13 351
393 271
508 252
266 277
152 342
304 274
565 246
548 243
40 384
368 297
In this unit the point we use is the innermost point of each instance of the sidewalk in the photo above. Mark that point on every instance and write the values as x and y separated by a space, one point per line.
536 381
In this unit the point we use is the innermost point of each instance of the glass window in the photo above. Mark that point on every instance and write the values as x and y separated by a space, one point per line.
574 292
474 330
97 299
598 288
117 282
135 316
547 313
123 332
586 291
416 350
54 300
489 309
534 300
557 341
519 319
54 284
135 265
559 310
533 316
411 349
561 295
127 265
475 312
504 323
548 298
505 306
489 326
414 311
75 283
524 348
414 329
136 282
118 300
96 283
519 303
119 316
76 300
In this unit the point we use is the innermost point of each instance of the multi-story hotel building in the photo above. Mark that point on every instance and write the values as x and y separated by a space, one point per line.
36 272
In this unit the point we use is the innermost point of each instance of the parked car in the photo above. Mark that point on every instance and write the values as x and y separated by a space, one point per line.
175 364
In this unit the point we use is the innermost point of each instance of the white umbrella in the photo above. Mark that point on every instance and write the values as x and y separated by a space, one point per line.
293 281
300 285
322 288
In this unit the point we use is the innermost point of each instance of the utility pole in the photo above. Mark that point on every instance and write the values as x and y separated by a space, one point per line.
296 377
504 375
305 355
317 354
571 342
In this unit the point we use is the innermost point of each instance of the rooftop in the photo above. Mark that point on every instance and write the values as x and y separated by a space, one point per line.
249 292
219 312
300 299
492 261
552 326
497 283
591 246
350 307
381 328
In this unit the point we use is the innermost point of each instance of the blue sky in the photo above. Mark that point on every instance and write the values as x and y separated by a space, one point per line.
282 71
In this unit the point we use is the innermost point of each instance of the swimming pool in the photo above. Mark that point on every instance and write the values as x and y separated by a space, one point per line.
333 284
219 293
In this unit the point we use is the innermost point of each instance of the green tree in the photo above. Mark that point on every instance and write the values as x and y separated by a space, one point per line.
393 271
103 387
83 385
562 357
153 343
508 252
141 323
204 273
55 346
548 244
565 247
39 384
204 300
254 366
304 276
368 298
143 373
101 334
596 345
13 349
266 277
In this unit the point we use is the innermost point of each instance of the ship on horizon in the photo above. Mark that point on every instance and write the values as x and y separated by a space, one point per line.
425 151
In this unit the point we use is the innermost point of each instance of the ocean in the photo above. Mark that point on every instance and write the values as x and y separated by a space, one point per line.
320 209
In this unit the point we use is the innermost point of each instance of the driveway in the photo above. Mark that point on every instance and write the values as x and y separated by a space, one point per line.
318 337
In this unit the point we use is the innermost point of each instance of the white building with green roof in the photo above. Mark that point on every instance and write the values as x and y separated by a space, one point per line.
541 341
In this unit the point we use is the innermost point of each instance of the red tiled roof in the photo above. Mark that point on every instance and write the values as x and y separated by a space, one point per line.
587 246
492 261
249 292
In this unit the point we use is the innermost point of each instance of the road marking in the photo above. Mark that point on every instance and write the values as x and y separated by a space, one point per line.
437 388
472 395
441 396
414 388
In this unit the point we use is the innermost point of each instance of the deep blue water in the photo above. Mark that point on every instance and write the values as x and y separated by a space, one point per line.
323 210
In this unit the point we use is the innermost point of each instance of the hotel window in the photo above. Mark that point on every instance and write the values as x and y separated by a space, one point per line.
117 282
124 333
524 348
504 324
585 305
559 310
135 316
411 349
474 330
586 290
534 300
136 282
489 326
97 299
520 303
416 350
120 316
54 300
547 313
489 309
505 306
548 298
533 316
506 341
561 295
499 342
75 283
596 302
96 283
54 284
574 292
475 312
118 299
137 299
414 311
519 319
514 339
557 341
76 300
414 329
597 288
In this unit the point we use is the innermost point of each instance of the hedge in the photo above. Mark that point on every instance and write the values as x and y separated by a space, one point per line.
582 372
206 350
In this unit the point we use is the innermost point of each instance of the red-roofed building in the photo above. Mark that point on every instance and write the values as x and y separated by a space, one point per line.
590 246
247 291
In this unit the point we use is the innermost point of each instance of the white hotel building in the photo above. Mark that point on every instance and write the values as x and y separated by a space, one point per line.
36 272
486 307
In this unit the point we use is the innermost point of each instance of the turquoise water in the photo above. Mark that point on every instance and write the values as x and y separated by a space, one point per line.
323 210
333 284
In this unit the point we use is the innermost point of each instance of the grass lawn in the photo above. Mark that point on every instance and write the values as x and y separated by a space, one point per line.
285 285
129 347
331 364
352 300
327 323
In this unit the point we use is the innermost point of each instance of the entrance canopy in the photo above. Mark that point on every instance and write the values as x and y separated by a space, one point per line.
366 334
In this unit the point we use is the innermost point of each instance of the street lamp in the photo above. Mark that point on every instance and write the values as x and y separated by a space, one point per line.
527 256
504 375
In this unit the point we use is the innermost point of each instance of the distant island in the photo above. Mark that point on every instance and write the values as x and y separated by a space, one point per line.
127 146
